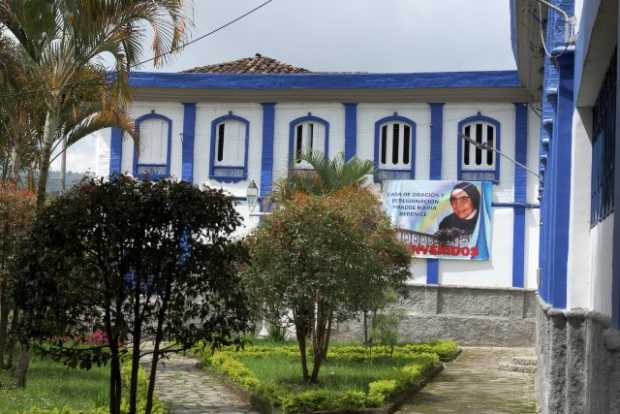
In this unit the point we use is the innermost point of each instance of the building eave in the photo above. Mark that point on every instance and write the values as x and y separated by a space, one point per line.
526 43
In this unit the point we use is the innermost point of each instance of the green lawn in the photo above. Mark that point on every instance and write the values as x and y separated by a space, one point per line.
336 375
52 385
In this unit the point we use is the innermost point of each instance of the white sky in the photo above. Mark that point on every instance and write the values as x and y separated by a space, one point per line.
345 35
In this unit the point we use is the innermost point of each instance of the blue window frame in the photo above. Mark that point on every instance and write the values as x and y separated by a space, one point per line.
394 152
603 148
476 163
230 140
307 133
151 157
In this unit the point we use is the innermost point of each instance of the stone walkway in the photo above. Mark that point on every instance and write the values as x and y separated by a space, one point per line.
474 384
187 389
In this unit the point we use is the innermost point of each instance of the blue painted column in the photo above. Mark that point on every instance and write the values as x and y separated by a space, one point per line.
520 197
266 174
432 265
116 151
189 133
561 147
615 267
350 130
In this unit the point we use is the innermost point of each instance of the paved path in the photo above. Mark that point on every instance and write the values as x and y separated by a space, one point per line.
474 384
187 389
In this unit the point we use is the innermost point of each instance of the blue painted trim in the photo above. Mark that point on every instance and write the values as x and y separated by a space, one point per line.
266 176
291 136
432 265
558 188
212 167
136 164
520 196
436 140
189 133
395 118
487 79
516 205
116 151
498 139
615 267
350 130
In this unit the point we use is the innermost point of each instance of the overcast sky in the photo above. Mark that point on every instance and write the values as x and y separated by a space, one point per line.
346 35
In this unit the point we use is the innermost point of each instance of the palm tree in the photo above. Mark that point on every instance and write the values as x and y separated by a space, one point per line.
63 42
325 177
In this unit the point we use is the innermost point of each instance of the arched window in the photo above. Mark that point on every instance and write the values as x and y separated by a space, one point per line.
307 134
229 148
394 148
152 154
478 160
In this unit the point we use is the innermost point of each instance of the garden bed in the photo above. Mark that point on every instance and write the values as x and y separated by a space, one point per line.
352 379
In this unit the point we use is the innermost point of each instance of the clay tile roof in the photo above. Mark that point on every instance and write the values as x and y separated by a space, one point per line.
255 64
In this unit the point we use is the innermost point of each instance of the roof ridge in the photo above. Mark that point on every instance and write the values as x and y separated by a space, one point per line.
254 64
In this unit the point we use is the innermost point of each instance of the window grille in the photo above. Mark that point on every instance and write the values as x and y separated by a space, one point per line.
395 146
152 155
309 137
229 148
603 148
478 160
230 144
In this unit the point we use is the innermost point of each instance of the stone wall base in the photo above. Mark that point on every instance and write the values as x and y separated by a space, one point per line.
578 362
470 316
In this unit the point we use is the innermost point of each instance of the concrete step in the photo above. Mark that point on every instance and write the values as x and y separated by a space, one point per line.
526 369
527 361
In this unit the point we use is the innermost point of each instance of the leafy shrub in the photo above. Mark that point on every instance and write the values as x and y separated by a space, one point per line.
380 391
322 399
419 361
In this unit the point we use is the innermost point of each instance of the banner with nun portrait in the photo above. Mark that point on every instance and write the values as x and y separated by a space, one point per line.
441 219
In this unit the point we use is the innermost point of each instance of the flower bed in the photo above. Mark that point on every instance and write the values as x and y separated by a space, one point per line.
352 377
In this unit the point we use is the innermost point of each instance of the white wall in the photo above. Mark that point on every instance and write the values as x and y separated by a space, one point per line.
601 239
497 272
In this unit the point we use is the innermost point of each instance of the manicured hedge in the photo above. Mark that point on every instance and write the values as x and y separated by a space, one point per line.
419 361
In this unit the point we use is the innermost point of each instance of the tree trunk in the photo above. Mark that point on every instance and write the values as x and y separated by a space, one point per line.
49 136
137 337
12 339
115 379
328 335
318 344
22 365
365 327
4 320
300 332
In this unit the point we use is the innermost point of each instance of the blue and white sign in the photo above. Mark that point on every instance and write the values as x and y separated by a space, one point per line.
441 219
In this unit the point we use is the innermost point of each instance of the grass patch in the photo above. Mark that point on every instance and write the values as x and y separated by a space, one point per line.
350 378
52 385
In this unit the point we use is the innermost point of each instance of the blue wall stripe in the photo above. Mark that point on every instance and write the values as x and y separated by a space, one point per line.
350 130
266 174
561 188
520 196
615 269
348 81
189 132
116 151
432 265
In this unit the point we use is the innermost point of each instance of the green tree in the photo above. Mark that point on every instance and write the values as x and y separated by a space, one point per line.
16 215
63 42
323 257
325 177
138 260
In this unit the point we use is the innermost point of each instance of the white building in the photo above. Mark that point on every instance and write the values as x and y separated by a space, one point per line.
573 71
226 125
